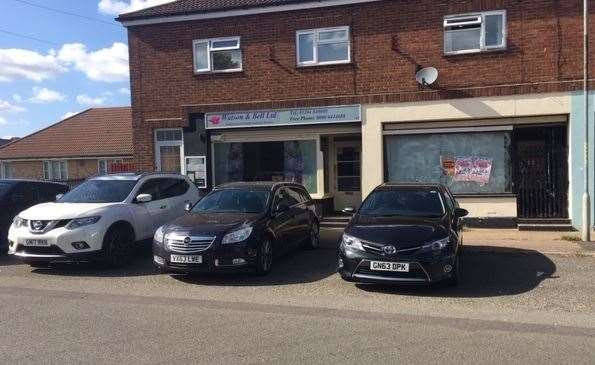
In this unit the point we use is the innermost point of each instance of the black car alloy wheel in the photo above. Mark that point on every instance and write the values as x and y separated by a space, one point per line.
116 247
265 257
314 239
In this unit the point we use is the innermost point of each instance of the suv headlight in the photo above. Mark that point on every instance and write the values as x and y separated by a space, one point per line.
159 235
80 222
19 222
237 236
438 244
352 242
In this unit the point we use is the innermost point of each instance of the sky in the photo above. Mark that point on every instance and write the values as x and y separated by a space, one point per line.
54 64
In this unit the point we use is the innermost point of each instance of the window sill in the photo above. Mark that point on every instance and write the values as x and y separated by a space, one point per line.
474 52
321 65
207 73
485 195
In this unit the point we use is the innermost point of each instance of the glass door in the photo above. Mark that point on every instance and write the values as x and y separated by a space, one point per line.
169 151
347 175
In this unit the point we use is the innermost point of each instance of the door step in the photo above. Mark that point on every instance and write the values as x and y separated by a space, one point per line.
545 224
337 222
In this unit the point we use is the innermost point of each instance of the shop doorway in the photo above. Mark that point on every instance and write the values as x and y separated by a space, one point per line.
347 174
541 171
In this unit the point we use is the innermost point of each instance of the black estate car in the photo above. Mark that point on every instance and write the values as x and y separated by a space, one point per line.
403 233
238 225
18 195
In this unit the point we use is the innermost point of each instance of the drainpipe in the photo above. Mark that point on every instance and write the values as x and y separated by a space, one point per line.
586 226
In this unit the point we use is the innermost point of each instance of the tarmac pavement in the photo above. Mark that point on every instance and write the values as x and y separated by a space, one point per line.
512 305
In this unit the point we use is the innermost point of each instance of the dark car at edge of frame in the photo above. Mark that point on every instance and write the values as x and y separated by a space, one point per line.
241 225
403 234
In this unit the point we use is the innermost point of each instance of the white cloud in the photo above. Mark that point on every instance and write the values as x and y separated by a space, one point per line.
17 98
85 99
105 64
16 64
3 122
124 91
68 115
44 95
116 7
5 106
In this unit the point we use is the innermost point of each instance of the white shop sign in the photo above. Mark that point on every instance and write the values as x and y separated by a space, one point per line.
282 117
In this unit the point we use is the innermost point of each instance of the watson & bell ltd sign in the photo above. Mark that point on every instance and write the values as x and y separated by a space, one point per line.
282 117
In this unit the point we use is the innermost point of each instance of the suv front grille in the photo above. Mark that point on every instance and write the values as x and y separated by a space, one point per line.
189 244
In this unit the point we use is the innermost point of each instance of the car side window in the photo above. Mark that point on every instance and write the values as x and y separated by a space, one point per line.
295 194
449 202
291 197
170 188
150 187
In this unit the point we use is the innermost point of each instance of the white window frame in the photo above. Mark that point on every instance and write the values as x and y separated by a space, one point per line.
47 172
4 167
107 161
316 42
209 42
481 21
178 143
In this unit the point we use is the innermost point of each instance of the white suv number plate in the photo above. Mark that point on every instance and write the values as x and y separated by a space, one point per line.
186 259
37 243
389 266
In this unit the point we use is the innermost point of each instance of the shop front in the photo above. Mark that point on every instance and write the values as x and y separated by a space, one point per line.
318 147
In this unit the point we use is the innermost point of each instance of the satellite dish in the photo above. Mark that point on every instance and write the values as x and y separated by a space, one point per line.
427 76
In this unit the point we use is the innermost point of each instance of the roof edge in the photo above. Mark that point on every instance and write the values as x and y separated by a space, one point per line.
161 19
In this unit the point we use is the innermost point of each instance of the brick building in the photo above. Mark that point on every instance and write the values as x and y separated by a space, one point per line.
85 144
325 93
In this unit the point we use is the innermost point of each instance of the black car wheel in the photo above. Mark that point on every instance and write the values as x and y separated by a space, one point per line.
454 279
314 238
264 258
116 247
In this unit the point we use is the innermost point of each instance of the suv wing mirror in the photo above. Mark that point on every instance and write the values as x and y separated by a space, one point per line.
144 198
187 206
348 210
59 196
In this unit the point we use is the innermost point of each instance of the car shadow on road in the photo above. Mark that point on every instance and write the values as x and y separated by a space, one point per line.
141 264
7 260
297 267
486 271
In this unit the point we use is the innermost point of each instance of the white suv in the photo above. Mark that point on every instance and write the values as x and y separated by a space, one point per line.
101 218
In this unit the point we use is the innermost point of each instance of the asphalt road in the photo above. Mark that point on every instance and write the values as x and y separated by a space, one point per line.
519 307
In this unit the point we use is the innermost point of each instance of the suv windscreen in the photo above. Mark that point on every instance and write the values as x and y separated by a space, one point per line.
99 191
408 203
233 201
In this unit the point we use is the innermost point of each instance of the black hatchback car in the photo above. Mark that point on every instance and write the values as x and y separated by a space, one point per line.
403 233
238 225
18 195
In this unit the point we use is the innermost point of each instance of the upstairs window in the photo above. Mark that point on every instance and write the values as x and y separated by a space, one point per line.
217 55
324 46
473 33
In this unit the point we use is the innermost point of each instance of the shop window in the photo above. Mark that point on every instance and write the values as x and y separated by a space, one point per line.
293 161
55 170
472 33
325 46
468 163
217 55
103 166
5 170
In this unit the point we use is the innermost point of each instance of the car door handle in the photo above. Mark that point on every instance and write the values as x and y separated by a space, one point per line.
163 207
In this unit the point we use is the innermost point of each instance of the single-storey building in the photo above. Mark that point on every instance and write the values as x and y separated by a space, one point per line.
85 144
329 94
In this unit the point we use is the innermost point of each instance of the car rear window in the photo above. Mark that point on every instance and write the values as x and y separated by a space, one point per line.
405 202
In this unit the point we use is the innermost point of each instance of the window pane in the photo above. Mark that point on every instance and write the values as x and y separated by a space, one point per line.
224 44
46 170
338 35
55 170
462 39
494 30
102 166
170 159
348 183
465 162
63 170
306 47
227 60
333 52
201 56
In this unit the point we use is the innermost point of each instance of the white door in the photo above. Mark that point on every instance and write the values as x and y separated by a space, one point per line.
347 174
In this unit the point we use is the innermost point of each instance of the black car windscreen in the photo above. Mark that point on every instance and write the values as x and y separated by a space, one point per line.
406 202
99 191
233 201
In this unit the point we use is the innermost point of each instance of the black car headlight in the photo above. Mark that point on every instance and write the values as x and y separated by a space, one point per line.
236 236
438 245
159 235
352 242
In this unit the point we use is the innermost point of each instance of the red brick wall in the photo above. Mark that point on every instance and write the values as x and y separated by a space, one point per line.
544 54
